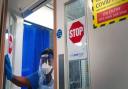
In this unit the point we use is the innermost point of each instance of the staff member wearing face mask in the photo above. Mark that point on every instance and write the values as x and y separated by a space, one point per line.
43 79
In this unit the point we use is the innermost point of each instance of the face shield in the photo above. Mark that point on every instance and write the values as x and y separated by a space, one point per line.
45 66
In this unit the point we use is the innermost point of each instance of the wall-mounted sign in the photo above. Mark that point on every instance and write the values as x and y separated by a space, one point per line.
109 11
76 32
10 43
59 33
76 39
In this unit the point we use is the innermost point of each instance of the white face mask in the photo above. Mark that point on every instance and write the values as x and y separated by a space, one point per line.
46 69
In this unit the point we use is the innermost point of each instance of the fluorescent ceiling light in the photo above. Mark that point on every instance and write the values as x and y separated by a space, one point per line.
43 16
27 23
6 36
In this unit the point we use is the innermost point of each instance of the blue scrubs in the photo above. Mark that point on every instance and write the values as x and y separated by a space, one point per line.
34 80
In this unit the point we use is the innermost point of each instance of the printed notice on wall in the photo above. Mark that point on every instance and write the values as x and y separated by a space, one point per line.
76 39
109 11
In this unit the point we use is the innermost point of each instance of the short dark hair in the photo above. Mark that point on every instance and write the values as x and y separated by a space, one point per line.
47 51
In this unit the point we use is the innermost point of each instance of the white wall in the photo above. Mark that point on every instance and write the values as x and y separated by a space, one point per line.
108 54
61 42
108 51
60 25
18 48
60 22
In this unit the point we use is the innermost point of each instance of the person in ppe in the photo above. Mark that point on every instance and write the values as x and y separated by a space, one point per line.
42 79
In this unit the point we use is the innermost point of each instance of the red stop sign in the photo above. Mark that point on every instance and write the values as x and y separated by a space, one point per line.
10 44
76 32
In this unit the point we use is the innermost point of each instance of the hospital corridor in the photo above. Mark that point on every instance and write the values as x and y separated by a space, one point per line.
63 44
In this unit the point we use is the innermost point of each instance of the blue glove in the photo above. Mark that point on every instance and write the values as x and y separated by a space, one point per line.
8 68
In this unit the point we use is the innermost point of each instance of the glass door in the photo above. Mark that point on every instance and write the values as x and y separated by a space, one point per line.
76 43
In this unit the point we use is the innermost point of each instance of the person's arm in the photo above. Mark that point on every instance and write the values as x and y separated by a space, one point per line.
21 81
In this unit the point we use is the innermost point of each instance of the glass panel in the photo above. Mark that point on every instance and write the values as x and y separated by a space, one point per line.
78 74
10 30
74 10
78 77
75 74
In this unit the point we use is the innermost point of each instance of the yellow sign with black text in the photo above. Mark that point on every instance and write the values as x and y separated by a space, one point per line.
109 11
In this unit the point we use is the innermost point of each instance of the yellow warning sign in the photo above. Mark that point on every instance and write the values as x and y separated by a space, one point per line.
109 11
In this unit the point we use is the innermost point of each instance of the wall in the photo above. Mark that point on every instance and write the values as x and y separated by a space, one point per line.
18 48
60 25
108 51
108 54
61 41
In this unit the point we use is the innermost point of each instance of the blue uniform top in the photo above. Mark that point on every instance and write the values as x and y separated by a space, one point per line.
34 80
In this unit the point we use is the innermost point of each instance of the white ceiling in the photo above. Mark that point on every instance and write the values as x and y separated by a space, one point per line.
20 6
42 15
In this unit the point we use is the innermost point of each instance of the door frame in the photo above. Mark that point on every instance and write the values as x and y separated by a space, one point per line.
55 47
3 14
3 27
